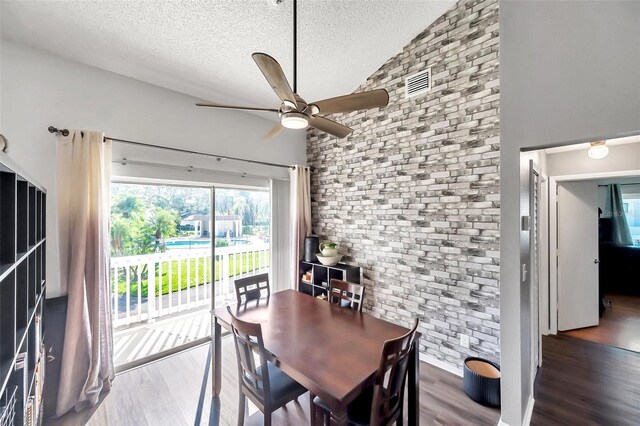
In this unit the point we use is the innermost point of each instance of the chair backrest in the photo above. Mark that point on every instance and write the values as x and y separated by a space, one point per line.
248 340
346 294
388 390
252 288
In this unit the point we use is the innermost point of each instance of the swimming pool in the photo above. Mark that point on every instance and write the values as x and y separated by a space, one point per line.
202 243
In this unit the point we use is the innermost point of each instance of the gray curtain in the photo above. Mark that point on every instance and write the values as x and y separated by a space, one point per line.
84 174
621 235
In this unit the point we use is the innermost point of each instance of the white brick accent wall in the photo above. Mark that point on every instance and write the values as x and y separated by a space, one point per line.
413 195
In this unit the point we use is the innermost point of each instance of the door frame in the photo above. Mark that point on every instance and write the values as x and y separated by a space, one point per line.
552 306
536 178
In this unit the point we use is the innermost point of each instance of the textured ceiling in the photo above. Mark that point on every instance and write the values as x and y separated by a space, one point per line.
203 48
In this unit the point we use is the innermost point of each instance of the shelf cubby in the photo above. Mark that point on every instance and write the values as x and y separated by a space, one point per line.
7 323
31 281
22 216
22 300
321 276
39 215
38 278
7 220
33 206
44 215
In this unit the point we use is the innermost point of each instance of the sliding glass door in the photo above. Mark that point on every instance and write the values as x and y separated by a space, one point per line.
161 262
160 269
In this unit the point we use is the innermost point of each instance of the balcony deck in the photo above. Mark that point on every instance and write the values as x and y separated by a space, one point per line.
141 340
147 324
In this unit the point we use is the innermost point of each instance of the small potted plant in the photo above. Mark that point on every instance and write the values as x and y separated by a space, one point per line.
329 249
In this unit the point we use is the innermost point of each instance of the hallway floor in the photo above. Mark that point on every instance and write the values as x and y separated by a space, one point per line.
585 383
619 326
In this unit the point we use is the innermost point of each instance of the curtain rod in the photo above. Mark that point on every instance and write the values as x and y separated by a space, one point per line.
65 132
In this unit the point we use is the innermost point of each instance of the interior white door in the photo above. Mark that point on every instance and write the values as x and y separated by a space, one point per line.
577 255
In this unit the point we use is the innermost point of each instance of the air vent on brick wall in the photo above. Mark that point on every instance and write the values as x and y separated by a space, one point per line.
418 83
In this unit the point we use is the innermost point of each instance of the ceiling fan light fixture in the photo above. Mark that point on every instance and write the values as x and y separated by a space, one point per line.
598 150
294 120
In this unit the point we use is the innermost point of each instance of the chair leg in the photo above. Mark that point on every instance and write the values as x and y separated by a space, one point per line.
241 409
312 409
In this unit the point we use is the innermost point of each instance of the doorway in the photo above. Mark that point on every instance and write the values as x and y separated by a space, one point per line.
618 260
580 333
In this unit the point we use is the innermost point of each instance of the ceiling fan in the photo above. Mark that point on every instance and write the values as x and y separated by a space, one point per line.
295 112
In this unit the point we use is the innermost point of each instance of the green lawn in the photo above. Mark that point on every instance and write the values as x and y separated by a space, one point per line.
180 277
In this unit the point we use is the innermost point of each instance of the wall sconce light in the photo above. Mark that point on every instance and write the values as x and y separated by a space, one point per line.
598 150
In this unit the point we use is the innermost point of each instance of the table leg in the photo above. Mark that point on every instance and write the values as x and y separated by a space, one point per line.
414 386
216 358
338 414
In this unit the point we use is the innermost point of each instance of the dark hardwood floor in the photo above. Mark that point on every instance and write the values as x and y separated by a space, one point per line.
177 391
585 383
619 325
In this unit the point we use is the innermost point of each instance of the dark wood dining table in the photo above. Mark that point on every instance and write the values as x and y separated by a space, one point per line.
331 351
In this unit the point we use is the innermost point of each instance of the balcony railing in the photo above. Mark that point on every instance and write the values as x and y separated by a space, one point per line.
150 286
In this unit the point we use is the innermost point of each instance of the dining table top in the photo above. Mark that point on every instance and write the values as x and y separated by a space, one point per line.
332 351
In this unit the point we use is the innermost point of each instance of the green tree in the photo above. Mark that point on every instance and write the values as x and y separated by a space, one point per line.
163 224
127 220
128 206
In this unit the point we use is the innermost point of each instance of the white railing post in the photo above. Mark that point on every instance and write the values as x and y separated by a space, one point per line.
170 283
127 273
115 299
204 278
197 279
225 270
188 283
151 290
159 287
179 284
139 276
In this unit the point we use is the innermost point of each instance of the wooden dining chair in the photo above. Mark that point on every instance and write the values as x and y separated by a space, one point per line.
268 391
346 294
381 404
252 288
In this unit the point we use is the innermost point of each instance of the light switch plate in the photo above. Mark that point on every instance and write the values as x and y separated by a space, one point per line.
464 340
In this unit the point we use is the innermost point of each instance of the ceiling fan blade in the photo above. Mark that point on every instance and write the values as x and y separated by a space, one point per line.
274 131
354 102
336 129
237 107
272 71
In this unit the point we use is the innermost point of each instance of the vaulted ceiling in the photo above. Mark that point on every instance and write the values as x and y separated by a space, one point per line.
203 47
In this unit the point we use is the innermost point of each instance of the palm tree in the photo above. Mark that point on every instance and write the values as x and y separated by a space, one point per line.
128 205
164 225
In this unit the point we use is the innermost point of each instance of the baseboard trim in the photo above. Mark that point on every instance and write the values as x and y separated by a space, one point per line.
441 364
529 413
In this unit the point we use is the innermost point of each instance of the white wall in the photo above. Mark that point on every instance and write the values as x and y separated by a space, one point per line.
568 73
39 89
620 158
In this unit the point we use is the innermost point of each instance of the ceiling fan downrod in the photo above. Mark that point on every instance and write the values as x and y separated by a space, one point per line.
295 46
